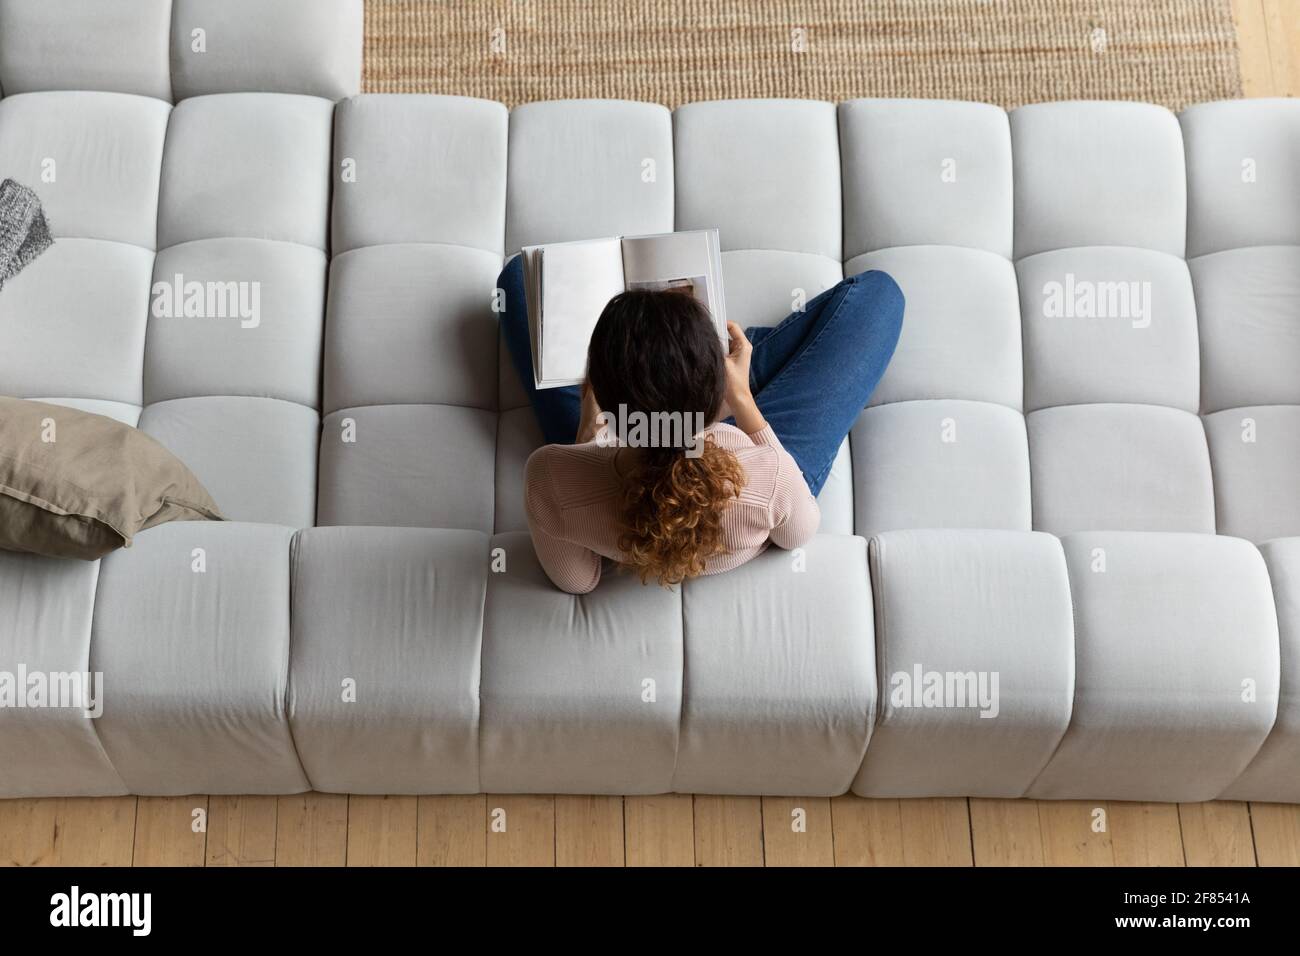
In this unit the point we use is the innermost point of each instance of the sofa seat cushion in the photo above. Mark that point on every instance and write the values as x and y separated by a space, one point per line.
256 455
47 606
191 636
580 693
779 686
975 644
1176 667
384 674
93 158
73 322
1274 775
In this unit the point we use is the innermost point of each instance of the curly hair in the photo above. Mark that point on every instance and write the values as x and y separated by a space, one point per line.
652 353
672 512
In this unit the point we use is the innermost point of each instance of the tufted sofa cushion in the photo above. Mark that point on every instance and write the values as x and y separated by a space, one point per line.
107 50
411 368
1243 247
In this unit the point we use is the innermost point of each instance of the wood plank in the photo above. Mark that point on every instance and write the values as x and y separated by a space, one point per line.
1005 832
165 832
27 832
452 830
936 832
521 830
1276 829
1145 834
94 831
1283 21
868 832
1068 835
1253 48
241 831
382 830
311 829
659 830
1217 833
728 831
803 840
588 831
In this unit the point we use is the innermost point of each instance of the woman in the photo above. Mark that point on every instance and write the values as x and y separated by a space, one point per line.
708 503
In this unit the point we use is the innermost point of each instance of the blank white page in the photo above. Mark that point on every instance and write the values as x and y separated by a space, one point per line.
578 280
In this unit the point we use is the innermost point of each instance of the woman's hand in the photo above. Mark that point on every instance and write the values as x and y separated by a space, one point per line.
590 422
738 353
739 400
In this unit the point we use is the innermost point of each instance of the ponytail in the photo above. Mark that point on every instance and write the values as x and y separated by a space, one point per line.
672 511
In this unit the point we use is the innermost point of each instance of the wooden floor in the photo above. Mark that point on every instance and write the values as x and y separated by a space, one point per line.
321 829
1268 33
674 830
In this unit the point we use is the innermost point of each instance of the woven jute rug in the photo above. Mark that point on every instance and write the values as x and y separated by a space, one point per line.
1007 52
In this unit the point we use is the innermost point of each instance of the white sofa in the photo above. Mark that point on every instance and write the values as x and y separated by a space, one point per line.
1097 507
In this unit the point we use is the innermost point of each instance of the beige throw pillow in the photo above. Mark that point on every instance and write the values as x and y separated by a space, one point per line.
78 485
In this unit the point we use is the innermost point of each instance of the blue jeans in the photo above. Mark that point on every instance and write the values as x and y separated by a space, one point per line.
811 374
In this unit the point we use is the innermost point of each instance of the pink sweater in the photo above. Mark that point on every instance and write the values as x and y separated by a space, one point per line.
573 496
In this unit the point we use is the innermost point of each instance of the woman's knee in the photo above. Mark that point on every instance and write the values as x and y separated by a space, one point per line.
880 297
513 273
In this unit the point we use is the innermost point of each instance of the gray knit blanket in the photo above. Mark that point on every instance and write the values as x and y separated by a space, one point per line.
24 233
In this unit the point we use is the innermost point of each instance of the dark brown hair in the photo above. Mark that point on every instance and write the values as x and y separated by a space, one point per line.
656 352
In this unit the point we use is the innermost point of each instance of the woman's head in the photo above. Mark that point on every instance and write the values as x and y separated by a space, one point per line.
656 352
656 356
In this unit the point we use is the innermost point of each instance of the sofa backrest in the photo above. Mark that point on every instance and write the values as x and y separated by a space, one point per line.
174 49
1103 299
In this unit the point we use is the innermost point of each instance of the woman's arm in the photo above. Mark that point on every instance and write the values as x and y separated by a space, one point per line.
795 514
571 567
738 398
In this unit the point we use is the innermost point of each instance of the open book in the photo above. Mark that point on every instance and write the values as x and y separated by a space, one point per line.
568 284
